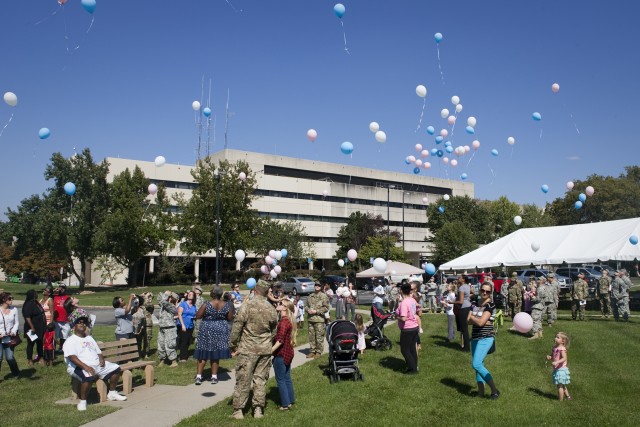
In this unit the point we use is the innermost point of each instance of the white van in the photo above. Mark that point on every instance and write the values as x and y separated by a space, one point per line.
395 279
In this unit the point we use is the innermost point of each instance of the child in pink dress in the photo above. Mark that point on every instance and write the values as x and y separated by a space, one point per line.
561 375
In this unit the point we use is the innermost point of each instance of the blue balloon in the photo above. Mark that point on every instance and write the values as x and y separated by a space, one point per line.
545 188
434 151
578 204
251 283
438 37
430 268
633 239
346 147
339 10
439 153
44 133
407 161
582 197
416 170
494 152
206 111
70 188
449 149
439 139
89 5
431 130
447 143
470 130
463 176
284 253
536 116
441 209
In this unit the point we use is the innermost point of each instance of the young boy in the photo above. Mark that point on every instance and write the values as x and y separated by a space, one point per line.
49 344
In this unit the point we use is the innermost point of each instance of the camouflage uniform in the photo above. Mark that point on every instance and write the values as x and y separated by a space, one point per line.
320 303
579 292
516 291
620 293
537 306
168 334
148 316
547 296
197 322
602 291
556 287
504 291
254 328
625 296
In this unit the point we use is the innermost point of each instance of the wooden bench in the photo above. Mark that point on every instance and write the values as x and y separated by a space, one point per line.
125 354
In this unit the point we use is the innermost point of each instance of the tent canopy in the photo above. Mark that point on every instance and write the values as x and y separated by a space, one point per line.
393 267
573 244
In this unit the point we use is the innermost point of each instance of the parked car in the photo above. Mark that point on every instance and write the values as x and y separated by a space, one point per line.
591 276
565 282
369 283
497 281
298 285
333 281
600 267
394 279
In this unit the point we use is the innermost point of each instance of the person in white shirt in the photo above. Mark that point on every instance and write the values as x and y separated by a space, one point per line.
9 326
85 362
378 295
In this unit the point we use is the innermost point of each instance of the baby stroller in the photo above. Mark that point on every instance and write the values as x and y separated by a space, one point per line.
342 336
375 330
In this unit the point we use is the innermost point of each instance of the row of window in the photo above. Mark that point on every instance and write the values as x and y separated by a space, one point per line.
335 199
333 219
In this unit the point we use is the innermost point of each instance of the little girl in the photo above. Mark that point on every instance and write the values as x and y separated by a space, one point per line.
447 304
300 311
49 342
359 321
560 374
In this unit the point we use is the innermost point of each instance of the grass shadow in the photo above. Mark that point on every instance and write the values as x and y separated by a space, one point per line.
394 363
462 388
543 393
441 341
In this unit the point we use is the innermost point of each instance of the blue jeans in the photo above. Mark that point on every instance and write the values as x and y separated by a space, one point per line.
7 352
283 379
479 350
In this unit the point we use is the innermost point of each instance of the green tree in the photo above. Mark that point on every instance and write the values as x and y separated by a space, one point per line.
376 247
454 239
533 216
501 214
473 214
276 234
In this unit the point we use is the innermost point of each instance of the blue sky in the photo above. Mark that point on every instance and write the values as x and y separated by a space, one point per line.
127 90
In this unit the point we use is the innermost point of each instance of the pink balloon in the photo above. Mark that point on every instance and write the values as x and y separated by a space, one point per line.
418 147
451 120
467 148
589 190
312 134
242 176
268 260
264 269
418 162
570 185
352 255
555 88
424 153
425 200
475 144
523 322
272 253
152 189
277 269
444 133
412 159
426 165
445 160
454 162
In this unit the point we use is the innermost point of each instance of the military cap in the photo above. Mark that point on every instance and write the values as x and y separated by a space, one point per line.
263 285
514 274
551 275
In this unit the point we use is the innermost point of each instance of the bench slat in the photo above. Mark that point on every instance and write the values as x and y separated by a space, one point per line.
121 343
119 350
136 365
123 358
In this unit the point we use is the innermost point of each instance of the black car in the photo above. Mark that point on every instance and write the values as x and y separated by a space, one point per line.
590 276
333 281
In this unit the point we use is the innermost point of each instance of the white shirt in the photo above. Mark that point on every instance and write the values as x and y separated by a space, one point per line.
451 298
9 323
86 349
379 293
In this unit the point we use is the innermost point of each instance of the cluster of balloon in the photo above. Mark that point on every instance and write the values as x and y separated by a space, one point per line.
438 38
339 11
242 176
430 268
312 135
346 148
160 161
44 133
70 188
544 188
380 265
523 322
380 136
517 220
421 91
270 260
152 189
633 239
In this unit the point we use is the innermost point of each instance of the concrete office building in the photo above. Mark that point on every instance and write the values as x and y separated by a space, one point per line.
320 195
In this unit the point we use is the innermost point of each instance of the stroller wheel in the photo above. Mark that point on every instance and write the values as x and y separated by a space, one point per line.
361 377
331 379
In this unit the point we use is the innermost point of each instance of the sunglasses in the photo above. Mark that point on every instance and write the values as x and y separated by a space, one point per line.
484 291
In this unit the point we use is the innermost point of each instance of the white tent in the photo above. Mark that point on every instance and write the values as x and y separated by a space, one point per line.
573 244
393 267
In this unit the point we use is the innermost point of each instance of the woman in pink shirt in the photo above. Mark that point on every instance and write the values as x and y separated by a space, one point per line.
408 324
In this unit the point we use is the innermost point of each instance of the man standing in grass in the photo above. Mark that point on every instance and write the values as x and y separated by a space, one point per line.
579 294
254 328
316 306
604 284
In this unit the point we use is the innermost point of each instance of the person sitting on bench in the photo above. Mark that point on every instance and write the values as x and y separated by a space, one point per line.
85 362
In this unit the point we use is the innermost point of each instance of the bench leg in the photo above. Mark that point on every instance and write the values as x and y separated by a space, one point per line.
148 376
101 386
127 382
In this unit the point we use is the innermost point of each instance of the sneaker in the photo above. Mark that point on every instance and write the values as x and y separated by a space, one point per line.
214 380
495 395
569 397
198 380
237 414
257 412
82 405
310 355
114 395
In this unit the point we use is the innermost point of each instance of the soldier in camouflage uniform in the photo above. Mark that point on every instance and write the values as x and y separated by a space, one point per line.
579 294
515 292
537 306
553 282
168 334
251 340
148 316
602 291
316 306
547 295
620 292
199 301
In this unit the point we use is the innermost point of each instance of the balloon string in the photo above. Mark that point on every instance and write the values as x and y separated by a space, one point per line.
5 126
344 35
424 103
47 17
574 123
91 24
511 155
540 134
474 153
492 173
439 66
233 7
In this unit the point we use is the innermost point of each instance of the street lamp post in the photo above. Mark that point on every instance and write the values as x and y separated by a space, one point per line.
388 231
217 176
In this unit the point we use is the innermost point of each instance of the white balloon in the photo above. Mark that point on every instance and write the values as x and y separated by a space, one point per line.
160 161
381 137
454 163
421 91
242 176
418 162
379 265
458 108
517 220
535 246
273 274
471 121
278 255
152 189
277 269
445 160
374 127
444 113
426 165
425 200
340 263
455 100
444 133
446 197
195 105
11 99
511 140
411 159
451 120
240 255
570 185
418 147
467 148
272 253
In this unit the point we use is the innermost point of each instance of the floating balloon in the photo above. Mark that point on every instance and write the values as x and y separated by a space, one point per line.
251 283
312 134
463 176
416 171
494 152
471 121
89 5
633 239
430 268
152 189
346 147
449 149
418 162
458 108
431 130
434 151
284 253
511 140
439 139
451 120
412 159
11 99
535 246
444 133
264 269
425 200
160 161
277 269
426 165
272 253
407 161
421 91
555 88
447 143
475 144
444 113
446 197
325 193
523 322
582 197
470 130
268 260
374 127
577 204
70 188
381 137
206 111
467 148
379 265
240 255
424 153
273 274
517 220
439 153
445 160
589 190
61 2
455 100
352 255
536 116
544 188
570 185
441 209
339 10
44 133
340 263
418 147
195 105
438 37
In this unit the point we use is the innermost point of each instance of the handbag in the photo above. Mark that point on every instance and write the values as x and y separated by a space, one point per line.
14 340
